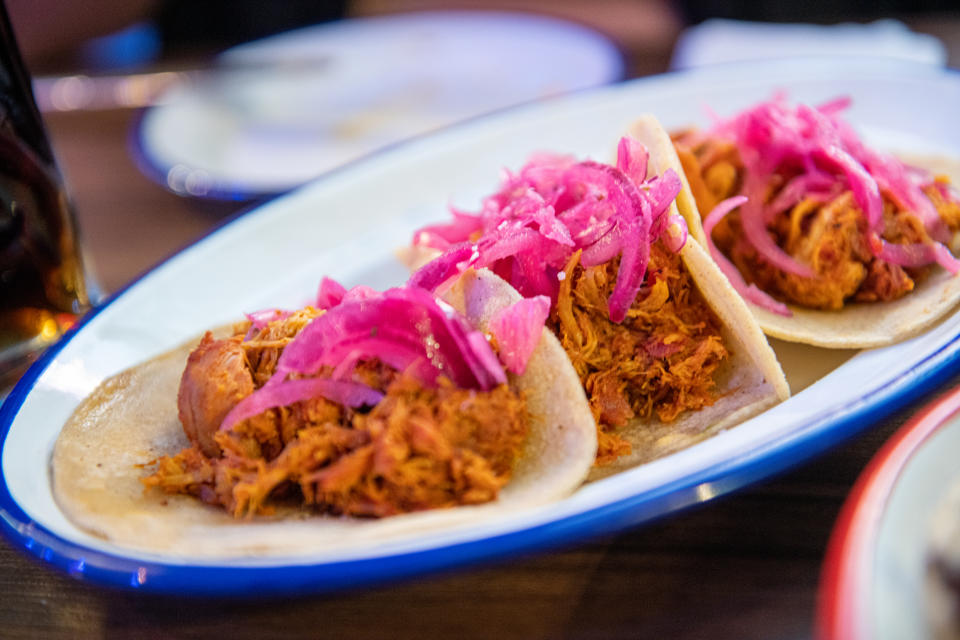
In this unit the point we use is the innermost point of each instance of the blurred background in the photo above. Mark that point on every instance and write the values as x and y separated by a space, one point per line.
107 34
221 131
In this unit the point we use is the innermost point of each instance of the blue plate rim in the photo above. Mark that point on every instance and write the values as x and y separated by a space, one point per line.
302 577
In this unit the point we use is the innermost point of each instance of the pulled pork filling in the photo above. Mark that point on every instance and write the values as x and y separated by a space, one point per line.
660 360
830 237
419 448
642 339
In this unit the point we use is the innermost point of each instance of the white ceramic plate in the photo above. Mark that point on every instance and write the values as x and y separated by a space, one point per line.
287 108
347 225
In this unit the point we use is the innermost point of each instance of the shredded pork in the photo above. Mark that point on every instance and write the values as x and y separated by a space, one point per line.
827 236
418 448
660 361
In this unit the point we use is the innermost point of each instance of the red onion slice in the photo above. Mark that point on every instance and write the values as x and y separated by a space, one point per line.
348 394
918 255
517 329
330 293
405 328
555 206
748 292
810 147
751 218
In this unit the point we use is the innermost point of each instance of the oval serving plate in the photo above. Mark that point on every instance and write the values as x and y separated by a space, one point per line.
347 225
873 583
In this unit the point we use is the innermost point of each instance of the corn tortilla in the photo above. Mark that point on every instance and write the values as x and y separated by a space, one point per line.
131 419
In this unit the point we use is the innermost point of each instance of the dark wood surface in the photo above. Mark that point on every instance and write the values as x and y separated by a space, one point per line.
740 566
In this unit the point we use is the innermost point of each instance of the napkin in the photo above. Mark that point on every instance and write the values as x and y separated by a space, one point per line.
717 41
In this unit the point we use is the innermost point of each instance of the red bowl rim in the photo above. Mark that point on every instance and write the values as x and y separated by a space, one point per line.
847 566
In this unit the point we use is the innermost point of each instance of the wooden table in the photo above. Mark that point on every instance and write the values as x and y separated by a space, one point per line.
741 566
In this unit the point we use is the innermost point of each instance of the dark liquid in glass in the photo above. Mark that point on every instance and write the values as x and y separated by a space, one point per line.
42 289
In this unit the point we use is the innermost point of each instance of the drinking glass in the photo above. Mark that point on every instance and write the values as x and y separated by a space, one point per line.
42 285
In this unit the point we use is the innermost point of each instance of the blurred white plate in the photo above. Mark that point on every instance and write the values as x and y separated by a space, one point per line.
287 108
874 577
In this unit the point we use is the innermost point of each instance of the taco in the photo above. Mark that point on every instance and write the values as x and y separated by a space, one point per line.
366 418
666 351
831 242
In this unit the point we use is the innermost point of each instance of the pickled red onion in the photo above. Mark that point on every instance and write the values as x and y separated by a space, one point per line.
442 236
754 228
918 255
437 271
260 319
632 158
818 153
553 207
517 329
676 233
330 293
796 190
348 394
747 292
406 329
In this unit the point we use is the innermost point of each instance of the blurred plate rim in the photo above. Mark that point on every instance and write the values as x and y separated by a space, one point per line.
223 187
850 564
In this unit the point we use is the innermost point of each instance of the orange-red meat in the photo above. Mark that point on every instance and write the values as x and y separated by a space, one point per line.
419 448
660 361
828 237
